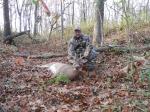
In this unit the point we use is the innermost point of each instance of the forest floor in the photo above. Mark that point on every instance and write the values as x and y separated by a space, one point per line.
23 86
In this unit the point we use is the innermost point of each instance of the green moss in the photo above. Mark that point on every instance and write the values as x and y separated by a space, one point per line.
60 79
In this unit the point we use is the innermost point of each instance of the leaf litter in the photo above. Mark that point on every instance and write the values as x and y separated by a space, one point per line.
23 87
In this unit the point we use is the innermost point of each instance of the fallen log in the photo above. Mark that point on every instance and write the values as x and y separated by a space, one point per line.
117 49
8 49
9 39
123 49
40 56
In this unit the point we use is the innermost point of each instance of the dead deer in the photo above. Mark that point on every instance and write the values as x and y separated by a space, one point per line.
60 68
72 71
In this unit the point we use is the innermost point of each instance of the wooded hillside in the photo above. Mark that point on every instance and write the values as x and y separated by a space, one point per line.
36 33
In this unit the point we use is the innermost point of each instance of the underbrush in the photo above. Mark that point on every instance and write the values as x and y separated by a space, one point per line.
110 29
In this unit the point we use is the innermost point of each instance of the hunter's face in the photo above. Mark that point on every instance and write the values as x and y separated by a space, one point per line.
77 33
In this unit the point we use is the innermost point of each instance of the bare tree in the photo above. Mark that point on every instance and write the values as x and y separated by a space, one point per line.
20 13
147 10
35 19
73 10
7 29
98 28
84 10
62 19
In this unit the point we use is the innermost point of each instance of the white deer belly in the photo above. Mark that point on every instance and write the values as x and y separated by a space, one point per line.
57 68
61 68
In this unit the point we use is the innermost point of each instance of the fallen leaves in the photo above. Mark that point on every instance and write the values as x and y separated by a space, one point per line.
107 101
23 87
123 93
126 109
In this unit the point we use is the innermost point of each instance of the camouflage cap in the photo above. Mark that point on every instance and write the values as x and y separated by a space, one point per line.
77 29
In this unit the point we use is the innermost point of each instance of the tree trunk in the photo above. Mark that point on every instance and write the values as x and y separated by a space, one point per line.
7 29
73 13
20 13
20 20
29 18
11 15
98 27
62 20
147 10
35 19
84 11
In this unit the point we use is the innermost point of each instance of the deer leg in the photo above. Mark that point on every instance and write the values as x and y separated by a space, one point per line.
96 70
84 74
95 73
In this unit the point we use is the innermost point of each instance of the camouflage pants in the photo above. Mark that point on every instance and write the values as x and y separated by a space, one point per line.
92 56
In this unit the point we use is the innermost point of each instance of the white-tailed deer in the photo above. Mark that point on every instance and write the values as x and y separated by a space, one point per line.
78 68
69 70
60 68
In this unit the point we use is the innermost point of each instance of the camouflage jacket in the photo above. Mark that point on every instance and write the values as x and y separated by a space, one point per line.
77 47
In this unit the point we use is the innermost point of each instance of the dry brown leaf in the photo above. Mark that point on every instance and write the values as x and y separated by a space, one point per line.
123 93
19 61
126 109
